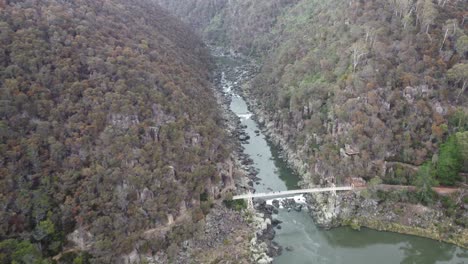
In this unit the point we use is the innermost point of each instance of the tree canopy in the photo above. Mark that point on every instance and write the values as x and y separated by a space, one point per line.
99 104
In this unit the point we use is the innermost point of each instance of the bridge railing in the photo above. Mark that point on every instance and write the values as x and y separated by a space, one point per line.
291 192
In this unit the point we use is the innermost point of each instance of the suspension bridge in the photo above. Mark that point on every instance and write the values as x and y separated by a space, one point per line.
250 196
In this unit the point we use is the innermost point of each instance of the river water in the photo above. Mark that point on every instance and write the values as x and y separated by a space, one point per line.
310 244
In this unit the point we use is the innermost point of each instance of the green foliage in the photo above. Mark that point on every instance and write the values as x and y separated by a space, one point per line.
458 120
44 229
400 176
458 73
237 205
462 44
355 225
462 143
79 260
424 182
374 182
21 252
204 197
409 197
449 205
449 163
462 221
391 196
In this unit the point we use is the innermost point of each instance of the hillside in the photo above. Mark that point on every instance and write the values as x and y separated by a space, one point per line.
242 25
356 89
108 129
382 81
367 87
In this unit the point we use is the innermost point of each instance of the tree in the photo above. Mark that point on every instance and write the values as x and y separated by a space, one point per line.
461 45
424 182
462 142
44 229
450 30
358 50
19 252
459 75
428 14
449 164
402 7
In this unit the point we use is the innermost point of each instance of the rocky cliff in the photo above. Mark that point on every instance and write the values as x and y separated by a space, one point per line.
356 89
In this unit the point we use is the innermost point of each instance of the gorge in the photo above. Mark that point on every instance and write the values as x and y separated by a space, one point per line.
126 126
302 241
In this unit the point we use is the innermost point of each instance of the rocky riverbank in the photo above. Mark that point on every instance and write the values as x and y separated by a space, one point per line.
369 209
331 210
365 210
229 78
230 235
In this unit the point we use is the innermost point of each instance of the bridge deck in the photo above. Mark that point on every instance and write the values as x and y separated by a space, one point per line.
291 192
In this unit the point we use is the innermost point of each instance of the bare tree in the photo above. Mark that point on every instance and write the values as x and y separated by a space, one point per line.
459 75
358 51
427 13
402 7
450 30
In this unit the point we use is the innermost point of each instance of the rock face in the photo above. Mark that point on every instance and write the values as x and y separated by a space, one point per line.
361 209
224 235
324 209
331 210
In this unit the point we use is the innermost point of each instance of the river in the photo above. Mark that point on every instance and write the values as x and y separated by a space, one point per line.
310 244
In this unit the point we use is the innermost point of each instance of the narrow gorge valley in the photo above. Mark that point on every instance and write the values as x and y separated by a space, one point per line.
296 238
129 127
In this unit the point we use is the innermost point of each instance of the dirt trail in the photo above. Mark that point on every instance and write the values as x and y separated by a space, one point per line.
438 190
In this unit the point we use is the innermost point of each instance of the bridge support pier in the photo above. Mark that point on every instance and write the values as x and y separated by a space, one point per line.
250 204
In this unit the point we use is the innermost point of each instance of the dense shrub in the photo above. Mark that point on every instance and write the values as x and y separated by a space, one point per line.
450 162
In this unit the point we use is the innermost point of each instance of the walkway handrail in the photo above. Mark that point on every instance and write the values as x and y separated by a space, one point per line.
291 192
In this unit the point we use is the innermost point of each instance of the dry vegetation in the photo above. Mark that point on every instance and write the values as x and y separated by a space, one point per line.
107 126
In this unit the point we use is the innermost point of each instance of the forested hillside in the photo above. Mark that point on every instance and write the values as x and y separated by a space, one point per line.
356 88
108 128
243 25
374 83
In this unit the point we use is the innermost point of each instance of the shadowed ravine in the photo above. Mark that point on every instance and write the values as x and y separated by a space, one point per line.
307 243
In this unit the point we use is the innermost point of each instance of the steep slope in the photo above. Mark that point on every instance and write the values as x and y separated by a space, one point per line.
243 25
359 89
367 86
108 128
379 81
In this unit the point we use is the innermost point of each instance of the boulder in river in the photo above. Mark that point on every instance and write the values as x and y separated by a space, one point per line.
269 208
298 208
288 203
289 248
260 204
275 203
247 161
244 137
276 222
